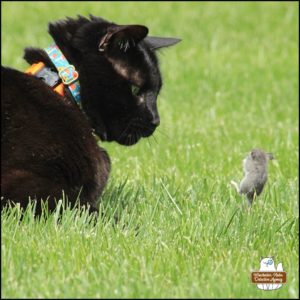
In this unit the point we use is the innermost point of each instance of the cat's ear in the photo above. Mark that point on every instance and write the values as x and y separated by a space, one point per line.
160 42
122 36
63 32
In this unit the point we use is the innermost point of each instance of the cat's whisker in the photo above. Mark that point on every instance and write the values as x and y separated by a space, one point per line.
149 142
159 131
125 130
165 127
151 146
154 138
165 124
136 136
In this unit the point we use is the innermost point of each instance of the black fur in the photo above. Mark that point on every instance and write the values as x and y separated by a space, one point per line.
47 142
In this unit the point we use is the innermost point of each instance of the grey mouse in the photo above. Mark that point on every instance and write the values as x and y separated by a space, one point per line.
256 174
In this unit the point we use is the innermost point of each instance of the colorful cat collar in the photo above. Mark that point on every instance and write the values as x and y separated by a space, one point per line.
67 75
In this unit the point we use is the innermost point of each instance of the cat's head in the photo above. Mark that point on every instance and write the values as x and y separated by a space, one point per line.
119 75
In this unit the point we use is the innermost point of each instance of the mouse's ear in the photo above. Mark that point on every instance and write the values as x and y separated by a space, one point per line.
253 154
122 36
270 156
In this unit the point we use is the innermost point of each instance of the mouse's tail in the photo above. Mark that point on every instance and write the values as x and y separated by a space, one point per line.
235 185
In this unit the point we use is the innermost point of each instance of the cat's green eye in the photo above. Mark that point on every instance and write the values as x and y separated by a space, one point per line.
135 90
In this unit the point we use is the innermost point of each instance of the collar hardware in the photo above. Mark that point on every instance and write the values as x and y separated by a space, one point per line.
66 71
48 76
44 73
68 75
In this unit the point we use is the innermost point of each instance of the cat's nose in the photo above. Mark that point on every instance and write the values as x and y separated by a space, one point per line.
155 121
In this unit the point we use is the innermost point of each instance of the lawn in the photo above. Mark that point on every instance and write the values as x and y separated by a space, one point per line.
231 85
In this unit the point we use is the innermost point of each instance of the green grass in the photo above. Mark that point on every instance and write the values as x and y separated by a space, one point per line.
229 86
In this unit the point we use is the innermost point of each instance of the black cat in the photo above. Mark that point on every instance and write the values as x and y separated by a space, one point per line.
47 140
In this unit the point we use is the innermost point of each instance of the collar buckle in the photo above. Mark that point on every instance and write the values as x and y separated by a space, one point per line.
68 74
66 71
